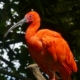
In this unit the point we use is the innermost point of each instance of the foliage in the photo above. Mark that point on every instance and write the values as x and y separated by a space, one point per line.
59 15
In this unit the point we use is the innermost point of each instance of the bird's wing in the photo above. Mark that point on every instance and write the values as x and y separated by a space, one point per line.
58 48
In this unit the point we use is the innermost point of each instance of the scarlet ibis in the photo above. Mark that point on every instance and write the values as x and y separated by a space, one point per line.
47 48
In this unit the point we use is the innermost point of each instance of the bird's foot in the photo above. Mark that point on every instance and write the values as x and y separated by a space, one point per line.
52 79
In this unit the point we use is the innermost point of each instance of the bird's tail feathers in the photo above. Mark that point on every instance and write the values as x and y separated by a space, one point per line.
65 77
74 66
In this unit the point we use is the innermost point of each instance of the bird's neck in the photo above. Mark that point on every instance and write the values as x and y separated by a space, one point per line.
31 30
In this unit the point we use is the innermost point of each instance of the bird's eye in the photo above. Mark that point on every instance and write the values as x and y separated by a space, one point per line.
30 16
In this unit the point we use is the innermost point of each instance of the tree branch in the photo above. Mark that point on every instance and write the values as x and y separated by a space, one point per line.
33 73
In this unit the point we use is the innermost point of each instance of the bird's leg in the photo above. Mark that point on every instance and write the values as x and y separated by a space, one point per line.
53 77
52 74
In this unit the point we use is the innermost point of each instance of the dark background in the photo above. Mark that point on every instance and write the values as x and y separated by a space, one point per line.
59 15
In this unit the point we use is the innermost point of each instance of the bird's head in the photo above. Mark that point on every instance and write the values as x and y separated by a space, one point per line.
31 16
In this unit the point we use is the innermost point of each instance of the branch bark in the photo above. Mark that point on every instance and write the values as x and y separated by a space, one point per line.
34 72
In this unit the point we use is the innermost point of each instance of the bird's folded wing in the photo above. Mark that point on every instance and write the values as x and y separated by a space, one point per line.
58 48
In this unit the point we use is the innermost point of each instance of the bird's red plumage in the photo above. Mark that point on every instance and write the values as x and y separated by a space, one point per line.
48 49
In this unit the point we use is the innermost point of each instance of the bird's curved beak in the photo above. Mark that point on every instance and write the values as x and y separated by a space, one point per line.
15 25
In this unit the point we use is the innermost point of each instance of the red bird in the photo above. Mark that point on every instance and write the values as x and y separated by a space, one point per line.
48 48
